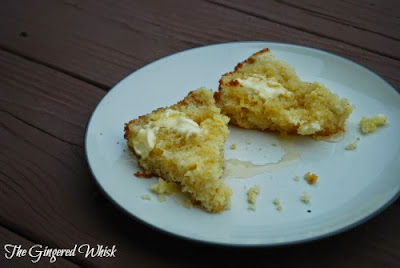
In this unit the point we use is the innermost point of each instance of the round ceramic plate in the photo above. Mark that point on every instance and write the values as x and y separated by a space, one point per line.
352 186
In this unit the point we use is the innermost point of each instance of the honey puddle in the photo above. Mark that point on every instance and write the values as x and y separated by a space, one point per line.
244 169
338 137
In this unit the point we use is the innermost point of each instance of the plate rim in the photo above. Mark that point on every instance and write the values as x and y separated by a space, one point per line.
222 243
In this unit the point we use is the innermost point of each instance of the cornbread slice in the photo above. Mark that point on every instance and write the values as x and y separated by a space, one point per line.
264 93
183 143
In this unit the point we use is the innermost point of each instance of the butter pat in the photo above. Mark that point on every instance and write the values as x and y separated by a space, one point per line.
146 138
178 121
144 142
266 88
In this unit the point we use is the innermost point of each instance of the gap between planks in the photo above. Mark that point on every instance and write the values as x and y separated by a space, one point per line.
249 13
58 69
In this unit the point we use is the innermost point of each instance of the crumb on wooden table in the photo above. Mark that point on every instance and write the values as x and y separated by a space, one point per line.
311 178
233 146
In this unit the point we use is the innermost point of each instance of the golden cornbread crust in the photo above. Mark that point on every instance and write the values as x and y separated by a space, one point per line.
194 162
306 109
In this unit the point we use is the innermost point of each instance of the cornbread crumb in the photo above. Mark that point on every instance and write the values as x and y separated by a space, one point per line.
352 146
277 204
252 194
233 146
266 94
146 197
305 198
163 187
311 178
251 207
369 125
275 143
296 178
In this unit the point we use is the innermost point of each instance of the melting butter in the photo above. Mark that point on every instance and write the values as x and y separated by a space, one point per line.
145 140
267 88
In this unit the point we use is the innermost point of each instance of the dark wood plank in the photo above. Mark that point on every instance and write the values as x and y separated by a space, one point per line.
102 41
351 22
54 102
8 237
379 17
45 180
47 192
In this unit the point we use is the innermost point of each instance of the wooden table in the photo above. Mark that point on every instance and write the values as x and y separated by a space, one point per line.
58 59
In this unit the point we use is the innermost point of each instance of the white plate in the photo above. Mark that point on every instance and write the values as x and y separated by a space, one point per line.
352 185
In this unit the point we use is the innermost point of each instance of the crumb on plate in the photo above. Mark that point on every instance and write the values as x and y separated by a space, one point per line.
252 194
311 178
369 125
305 198
146 197
251 207
163 188
353 145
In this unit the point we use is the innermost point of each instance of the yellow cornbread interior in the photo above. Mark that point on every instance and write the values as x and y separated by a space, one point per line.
265 93
194 160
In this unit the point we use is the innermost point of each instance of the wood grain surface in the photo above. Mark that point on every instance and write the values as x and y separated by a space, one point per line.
59 58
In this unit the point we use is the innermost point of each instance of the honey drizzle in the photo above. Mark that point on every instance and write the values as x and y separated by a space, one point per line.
236 168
